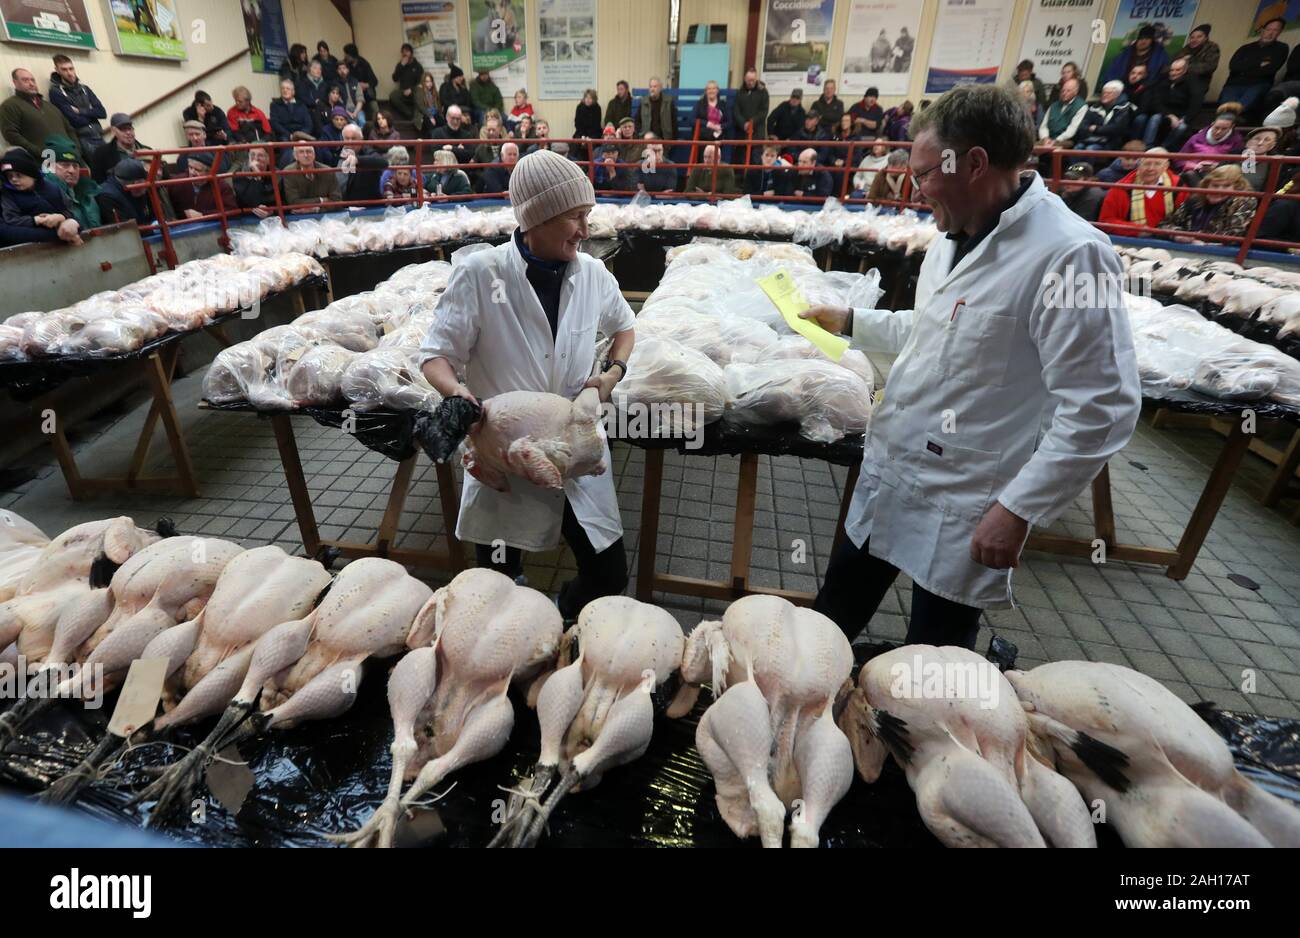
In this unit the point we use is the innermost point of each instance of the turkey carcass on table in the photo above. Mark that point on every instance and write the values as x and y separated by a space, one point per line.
104 630
471 641
543 438
81 559
596 713
21 543
308 668
956 728
1165 777
208 655
769 737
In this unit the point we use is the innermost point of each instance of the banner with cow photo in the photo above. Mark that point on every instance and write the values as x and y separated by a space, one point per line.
498 42
796 45
880 46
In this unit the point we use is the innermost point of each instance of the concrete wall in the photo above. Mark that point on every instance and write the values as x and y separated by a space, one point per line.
125 84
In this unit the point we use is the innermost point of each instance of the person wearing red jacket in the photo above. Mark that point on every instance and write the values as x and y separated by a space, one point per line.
246 121
1143 208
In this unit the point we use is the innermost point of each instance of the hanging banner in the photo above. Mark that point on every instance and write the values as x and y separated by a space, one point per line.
1171 19
430 28
796 45
268 40
150 29
46 24
498 44
567 48
1059 31
879 46
970 37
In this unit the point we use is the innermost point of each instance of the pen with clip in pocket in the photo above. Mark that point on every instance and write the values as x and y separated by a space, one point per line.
955 307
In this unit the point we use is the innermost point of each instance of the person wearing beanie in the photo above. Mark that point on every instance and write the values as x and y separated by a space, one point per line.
367 81
1143 50
868 116
29 200
453 91
1253 68
524 316
787 118
1202 55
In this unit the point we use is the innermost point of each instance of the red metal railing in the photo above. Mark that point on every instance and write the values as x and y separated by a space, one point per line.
1057 160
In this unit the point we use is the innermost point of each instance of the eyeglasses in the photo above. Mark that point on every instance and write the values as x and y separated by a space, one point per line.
917 178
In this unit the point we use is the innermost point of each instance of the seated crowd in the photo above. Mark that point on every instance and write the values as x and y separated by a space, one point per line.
345 151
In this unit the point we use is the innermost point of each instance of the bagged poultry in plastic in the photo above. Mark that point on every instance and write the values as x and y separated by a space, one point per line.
314 379
718 337
11 343
663 371
797 347
43 337
233 371
827 401
387 379
351 330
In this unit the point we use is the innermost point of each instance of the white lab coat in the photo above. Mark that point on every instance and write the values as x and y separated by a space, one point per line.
1008 400
491 327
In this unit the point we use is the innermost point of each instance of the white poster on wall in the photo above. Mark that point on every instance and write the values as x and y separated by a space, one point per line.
879 46
566 47
1056 32
430 27
970 37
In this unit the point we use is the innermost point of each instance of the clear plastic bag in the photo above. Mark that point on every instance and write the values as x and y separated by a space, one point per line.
827 401
11 343
315 379
352 330
387 379
717 337
664 372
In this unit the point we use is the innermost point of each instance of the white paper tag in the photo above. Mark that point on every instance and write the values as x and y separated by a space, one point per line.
138 702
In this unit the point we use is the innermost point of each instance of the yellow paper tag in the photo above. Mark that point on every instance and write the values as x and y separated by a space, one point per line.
784 292
138 702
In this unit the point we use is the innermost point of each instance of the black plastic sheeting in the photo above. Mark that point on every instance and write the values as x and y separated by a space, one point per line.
30 378
1193 402
327 777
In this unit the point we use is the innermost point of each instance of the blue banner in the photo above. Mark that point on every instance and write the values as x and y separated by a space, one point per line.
268 40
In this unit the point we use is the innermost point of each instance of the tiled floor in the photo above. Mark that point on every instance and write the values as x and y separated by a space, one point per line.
1205 637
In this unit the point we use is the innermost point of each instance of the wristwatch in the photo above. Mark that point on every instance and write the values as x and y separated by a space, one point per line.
610 363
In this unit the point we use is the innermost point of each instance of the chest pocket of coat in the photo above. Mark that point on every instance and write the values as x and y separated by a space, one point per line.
577 344
974 347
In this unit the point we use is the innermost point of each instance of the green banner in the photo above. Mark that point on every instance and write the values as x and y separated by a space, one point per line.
150 28
20 32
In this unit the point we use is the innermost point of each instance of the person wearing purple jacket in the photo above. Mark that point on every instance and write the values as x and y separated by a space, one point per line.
1221 136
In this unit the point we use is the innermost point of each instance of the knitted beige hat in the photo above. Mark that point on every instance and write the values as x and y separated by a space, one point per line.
545 184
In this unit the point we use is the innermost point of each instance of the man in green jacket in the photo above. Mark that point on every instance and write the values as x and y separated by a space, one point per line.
80 190
308 190
657 113
27 119
484 95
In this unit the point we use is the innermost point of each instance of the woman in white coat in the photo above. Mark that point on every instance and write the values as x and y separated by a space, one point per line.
524 316
1015 381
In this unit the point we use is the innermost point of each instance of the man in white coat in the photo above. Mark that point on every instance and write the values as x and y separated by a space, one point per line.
1008 394
523 316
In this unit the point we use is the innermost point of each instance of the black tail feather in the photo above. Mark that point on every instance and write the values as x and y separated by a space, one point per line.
166 527
101 572
893 733
440 432
1106 762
